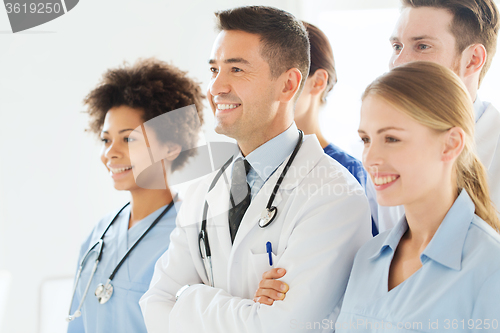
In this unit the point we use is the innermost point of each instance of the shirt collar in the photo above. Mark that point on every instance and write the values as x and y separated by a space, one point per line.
479 108
446 246
266 158
392 239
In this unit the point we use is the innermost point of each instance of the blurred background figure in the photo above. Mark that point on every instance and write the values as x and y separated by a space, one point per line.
129 112
322 77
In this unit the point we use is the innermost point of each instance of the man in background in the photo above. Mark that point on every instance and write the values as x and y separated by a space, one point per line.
461 35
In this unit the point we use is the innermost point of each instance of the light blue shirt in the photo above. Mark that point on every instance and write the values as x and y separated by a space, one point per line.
457 289
269 156
122 312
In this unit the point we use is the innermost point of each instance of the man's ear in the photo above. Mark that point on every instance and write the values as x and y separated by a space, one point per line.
454 142
319 81
475 58
292 79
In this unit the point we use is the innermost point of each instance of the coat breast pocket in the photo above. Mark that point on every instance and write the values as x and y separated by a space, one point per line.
258 265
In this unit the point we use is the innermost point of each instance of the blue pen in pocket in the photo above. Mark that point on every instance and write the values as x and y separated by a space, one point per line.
270 253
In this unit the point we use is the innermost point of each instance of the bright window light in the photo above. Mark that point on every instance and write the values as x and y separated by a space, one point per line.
360 43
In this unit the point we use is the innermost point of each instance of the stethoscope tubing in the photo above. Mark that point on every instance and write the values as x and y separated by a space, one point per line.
203 243
285 170
100 244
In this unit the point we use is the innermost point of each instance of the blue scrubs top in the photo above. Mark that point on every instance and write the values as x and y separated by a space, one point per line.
355 167
457 289
122 312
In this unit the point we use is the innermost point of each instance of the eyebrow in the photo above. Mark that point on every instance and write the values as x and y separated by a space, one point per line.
123 130
416 38
360 131
231 61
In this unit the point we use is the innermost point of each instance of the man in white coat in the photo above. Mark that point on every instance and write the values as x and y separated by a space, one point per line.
259 63
461 35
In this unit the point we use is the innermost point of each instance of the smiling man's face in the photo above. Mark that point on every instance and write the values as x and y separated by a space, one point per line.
242 93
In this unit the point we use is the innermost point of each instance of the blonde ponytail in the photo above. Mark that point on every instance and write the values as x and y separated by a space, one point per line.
435 97
472 176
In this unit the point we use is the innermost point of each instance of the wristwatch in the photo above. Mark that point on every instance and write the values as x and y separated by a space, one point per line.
179 293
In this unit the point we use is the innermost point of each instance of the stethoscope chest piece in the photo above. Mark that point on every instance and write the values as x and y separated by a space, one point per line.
104 292
267 216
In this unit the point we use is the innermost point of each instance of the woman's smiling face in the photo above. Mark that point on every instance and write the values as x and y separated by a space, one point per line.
117 135
402 156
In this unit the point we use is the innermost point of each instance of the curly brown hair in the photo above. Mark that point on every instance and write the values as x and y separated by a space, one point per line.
154 87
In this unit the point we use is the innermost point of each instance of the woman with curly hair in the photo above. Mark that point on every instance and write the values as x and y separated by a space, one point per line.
135 112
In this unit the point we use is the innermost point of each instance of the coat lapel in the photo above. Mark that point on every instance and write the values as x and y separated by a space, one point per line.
300 167
487 135
218 205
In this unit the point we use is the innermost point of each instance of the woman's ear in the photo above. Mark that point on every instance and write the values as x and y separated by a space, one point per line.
454 142
172 152
319 81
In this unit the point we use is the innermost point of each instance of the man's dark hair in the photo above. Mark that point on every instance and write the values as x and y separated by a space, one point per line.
284 39
153 87
474 21
321 56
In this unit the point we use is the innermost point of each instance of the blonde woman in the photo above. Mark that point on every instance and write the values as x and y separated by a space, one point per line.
438 269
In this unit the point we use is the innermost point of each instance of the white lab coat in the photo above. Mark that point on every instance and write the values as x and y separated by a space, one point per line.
323 219
487 137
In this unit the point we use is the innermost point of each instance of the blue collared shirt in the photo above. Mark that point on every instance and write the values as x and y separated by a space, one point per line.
269 156
457 289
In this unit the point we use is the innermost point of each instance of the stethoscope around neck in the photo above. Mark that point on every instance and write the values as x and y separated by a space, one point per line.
104 292
267 216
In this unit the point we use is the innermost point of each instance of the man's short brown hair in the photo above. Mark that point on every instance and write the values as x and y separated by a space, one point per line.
474 21
154 87
284 39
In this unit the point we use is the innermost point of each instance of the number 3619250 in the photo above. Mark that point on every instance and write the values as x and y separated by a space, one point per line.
41 8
